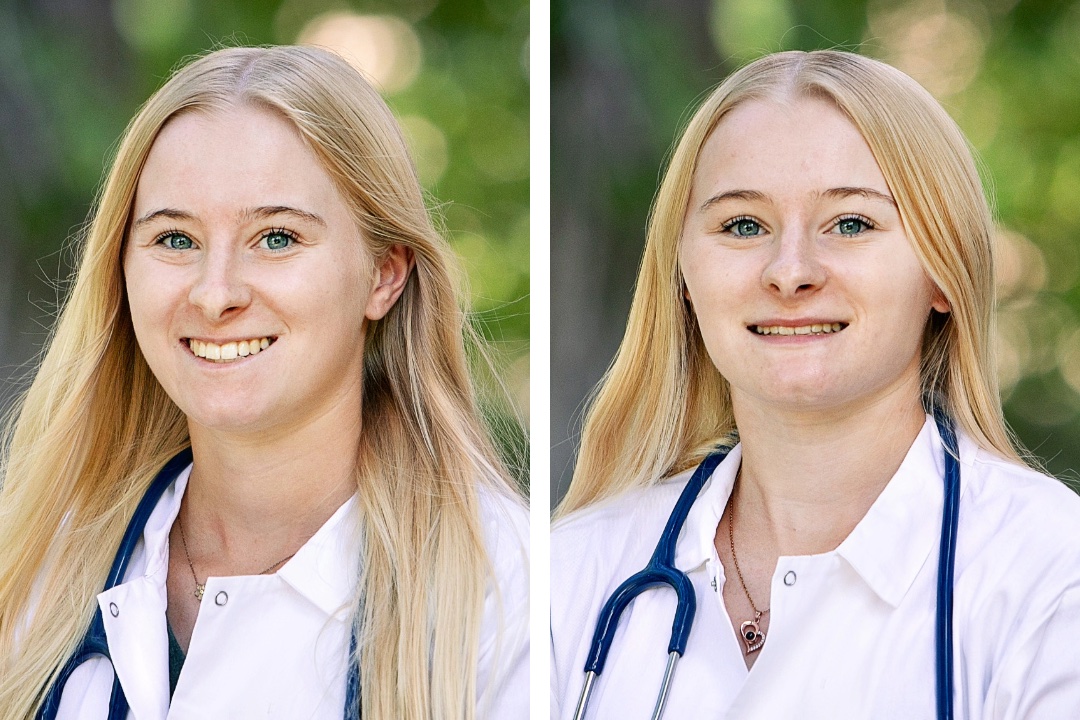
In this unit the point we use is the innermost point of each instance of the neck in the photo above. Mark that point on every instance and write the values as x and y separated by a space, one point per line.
257 496
808 478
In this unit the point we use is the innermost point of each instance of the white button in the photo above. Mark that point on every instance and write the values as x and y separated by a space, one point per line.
113 610
221 598
789 578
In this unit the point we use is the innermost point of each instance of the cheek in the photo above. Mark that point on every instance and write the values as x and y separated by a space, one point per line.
144 305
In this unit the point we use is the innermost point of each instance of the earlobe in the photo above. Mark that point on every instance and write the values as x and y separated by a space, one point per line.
940 304
391 274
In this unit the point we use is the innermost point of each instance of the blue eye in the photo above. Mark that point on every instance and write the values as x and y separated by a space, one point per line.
743 227
277 240
852 226
176 241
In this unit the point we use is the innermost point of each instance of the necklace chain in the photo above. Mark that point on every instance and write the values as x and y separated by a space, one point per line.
752 635
735 558
200 588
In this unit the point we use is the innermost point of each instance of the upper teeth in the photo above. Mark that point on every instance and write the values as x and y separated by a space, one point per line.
229 351
802 330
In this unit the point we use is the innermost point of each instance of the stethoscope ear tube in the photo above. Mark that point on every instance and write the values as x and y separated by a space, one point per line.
950 521
142 514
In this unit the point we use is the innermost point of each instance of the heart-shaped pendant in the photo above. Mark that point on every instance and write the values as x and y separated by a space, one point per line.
752 636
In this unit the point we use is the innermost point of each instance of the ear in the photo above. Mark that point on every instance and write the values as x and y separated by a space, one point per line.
392 272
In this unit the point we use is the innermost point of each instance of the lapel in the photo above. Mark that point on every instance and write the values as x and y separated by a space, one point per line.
134 613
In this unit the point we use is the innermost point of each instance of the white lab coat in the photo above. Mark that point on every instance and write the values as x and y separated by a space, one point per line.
851 632
276 646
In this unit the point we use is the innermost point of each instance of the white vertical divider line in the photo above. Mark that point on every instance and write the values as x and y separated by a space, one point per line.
540 354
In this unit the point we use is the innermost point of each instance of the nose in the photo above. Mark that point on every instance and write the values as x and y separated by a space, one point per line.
220 289
794 269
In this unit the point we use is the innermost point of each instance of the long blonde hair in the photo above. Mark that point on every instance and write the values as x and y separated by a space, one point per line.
662 404
95 426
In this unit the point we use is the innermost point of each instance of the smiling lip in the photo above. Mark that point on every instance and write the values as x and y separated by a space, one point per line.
811 326
229 350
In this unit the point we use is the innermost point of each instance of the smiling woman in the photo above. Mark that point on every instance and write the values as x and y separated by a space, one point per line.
250 477
811 330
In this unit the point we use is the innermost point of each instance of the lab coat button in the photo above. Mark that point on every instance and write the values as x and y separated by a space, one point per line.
113 610
221 598
789 578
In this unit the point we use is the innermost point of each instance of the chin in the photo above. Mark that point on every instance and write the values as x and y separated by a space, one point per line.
238 417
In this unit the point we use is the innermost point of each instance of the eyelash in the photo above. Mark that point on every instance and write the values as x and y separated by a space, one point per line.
855 216
173 232
729 224
293 237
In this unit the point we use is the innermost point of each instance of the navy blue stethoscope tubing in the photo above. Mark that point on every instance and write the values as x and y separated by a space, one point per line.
661 570
95 643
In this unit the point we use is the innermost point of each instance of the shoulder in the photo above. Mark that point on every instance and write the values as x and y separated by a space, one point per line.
1018 583
593 547
1018 550
503 672
616 519
1005 497
504 519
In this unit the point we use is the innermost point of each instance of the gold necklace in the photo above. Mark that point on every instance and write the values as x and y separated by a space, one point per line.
200 588
751 633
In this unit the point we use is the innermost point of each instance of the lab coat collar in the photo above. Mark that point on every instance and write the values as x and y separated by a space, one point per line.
695 546
902 529
889 545
325 570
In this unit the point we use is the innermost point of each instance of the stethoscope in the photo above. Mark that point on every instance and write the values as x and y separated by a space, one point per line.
95 642
661 571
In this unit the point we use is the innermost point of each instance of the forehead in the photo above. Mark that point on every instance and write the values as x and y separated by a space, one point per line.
239 157
785 147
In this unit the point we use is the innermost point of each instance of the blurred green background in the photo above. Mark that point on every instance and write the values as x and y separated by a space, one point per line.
73 72
626 75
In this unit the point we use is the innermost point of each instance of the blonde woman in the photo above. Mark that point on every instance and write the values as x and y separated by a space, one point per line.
262 299
813 319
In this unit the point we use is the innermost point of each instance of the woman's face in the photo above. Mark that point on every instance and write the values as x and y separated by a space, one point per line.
247 278
804 283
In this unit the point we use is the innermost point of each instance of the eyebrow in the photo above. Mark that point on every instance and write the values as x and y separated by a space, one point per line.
258 213
837 193
753 195
868 193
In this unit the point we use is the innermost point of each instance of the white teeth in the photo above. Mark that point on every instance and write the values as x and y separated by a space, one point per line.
228 352
816 329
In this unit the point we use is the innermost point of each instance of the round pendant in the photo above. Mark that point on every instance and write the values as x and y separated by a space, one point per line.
752 636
